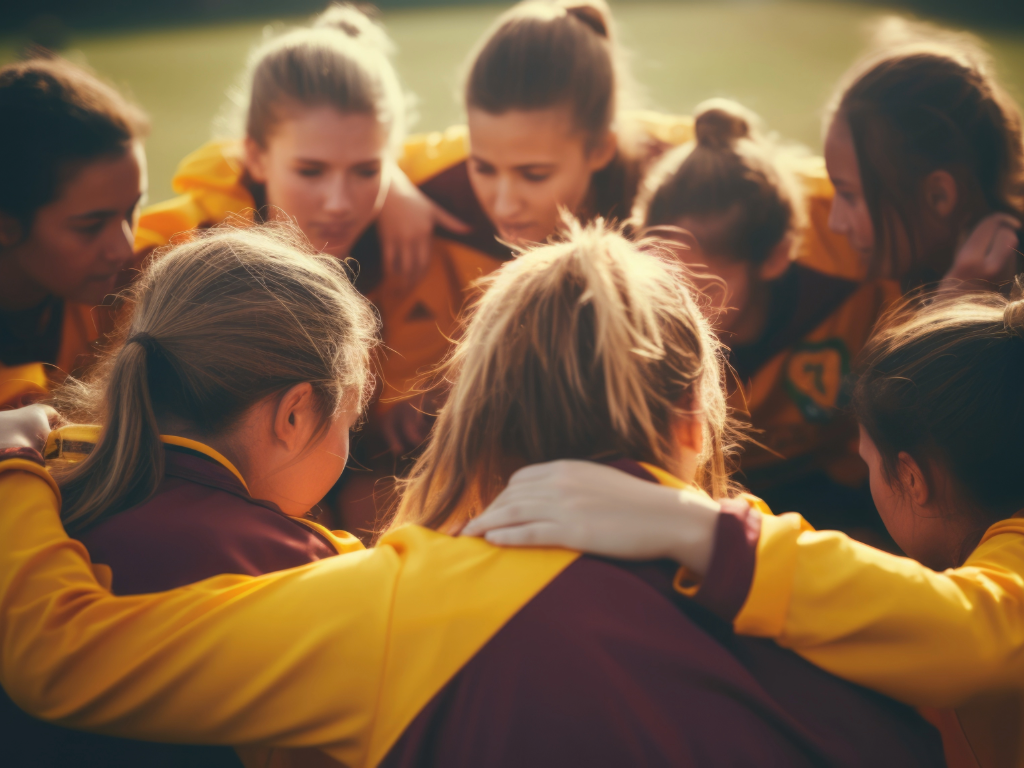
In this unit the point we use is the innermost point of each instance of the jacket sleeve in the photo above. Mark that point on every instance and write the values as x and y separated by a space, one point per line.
170 666
889 623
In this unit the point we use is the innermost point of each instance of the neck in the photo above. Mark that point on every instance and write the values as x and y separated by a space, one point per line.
18 291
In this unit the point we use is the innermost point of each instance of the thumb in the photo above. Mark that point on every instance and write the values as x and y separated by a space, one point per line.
447 221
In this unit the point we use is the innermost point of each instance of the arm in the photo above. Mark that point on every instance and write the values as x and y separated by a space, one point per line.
886 622
230 660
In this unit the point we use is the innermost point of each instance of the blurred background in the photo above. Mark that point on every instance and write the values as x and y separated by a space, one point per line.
781 58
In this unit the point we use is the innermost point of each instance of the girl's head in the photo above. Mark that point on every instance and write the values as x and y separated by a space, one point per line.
941 413
325 114
541 97
922 142
74 174
732 192
244 339
588 348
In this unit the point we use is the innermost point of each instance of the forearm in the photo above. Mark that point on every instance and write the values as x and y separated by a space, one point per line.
191 664
887 622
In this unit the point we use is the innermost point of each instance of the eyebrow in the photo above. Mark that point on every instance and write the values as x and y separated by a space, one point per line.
102 213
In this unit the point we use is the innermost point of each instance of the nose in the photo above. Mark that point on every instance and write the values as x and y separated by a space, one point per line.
505 201
337 200
120 246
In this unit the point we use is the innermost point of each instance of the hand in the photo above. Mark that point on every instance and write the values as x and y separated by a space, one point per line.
406 226
405 427
988 254
601 510
27 427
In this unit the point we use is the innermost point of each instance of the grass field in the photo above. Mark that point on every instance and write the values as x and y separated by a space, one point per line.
779 58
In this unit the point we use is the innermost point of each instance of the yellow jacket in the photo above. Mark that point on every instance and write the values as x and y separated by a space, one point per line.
953 639
360 642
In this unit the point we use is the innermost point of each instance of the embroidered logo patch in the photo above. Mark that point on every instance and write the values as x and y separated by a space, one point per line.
814 377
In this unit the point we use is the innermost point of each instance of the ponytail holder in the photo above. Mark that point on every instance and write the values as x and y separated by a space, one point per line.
146 341
590 16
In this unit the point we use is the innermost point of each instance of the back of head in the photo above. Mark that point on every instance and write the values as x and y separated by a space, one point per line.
54 118
341 61
943 383
732 178
923 100
550 53
585 349
217 324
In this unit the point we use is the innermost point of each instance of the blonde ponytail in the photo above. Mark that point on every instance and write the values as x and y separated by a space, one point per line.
586 349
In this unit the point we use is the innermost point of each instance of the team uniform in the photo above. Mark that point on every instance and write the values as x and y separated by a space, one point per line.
201 522
40 346
952 642
428 649
793 381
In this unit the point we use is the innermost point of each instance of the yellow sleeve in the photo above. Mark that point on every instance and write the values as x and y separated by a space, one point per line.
887 622
427 154
340 654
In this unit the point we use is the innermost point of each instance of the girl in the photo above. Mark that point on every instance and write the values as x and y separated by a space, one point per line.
303 91
225 412
630 374
924 148
74 177
938 400
793 320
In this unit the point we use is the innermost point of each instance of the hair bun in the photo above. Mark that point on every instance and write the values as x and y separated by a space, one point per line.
1013 314
720 122
354 23
594 14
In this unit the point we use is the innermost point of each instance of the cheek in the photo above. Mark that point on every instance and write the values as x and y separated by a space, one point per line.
58 260
295 195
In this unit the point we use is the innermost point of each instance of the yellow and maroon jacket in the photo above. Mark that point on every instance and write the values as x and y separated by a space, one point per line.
498 654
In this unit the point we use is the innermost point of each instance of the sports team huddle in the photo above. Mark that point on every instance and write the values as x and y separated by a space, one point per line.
577 435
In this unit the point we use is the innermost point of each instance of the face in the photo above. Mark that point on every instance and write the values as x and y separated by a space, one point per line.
82 240
850 215
326 170
914 514
525 166
297 475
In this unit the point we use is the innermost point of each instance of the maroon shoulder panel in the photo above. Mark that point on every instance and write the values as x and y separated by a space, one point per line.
606 667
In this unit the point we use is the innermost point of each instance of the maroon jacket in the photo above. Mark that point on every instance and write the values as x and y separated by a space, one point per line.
609 666
201 522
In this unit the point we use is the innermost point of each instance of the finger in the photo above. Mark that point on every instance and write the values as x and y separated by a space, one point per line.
413 428
1002 254
422 259
54 418
390 435
448 221
387 249
541 534
496 516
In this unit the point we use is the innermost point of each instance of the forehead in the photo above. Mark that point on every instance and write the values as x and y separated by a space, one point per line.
113 182
518 137
327 135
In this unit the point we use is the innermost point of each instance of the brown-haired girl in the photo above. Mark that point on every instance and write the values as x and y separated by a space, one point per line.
793 318
925 150
938 400
74 176
223 418
589 348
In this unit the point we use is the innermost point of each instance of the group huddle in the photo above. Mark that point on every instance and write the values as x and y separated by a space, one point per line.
583 351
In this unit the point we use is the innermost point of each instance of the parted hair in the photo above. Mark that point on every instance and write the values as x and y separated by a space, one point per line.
343 61
584 349
216 325
922 100
732 175
543 54
55 117
943 383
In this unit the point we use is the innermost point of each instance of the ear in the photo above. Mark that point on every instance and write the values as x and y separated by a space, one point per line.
688 427
912 479
295 417
940 192
10 230
255 161
778 260
603 152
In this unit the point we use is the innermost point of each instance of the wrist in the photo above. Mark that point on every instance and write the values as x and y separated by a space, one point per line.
693 537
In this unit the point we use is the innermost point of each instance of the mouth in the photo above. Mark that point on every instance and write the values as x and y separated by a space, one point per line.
332 233
516 232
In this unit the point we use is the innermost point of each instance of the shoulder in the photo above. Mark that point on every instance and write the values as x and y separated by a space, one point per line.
210 188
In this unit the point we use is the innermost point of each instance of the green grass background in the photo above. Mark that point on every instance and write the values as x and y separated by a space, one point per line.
779 58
